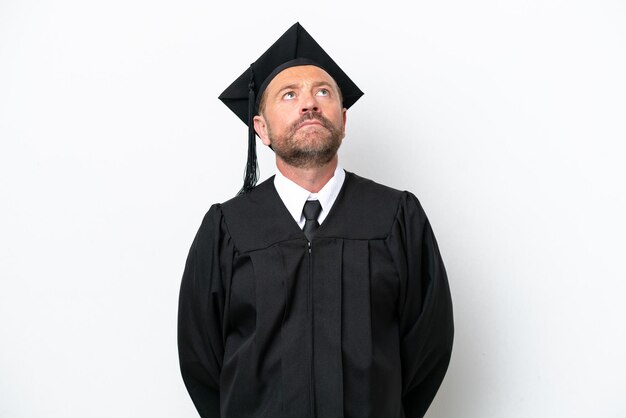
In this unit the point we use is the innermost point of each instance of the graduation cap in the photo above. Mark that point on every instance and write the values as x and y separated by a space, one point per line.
295 47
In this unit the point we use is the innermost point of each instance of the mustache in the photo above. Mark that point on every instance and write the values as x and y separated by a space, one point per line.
310 116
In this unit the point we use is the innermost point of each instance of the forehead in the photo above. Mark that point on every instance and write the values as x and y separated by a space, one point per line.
300 74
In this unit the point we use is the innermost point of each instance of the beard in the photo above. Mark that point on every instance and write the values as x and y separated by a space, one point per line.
308 148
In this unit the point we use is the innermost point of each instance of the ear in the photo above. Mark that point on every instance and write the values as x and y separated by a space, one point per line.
260 126
344 117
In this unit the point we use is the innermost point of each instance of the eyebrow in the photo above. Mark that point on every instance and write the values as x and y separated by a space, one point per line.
322 83
288 87
295 86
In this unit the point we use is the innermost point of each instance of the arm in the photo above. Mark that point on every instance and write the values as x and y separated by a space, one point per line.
426 323
200 313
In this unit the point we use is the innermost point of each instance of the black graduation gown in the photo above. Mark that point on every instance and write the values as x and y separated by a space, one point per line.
356 324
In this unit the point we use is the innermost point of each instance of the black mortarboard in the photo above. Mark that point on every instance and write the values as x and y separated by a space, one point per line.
295 47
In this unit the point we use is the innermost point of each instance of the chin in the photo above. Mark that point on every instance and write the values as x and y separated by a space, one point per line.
312 136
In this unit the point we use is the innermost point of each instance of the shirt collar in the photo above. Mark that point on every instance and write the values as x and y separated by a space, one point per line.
294 196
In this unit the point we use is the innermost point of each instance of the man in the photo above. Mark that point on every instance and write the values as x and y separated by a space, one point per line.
317 293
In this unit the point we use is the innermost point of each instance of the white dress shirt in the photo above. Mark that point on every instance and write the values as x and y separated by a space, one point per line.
294 196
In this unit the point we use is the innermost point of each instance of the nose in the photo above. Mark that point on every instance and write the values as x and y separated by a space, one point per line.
309 104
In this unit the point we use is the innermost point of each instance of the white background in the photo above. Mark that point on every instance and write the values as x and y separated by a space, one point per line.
506 119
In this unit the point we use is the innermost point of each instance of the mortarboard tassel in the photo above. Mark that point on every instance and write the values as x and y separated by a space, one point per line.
252 170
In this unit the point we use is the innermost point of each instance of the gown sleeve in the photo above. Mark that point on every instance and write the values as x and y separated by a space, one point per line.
200 314
425 308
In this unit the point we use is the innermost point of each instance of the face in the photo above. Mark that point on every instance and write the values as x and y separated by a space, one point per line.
302 117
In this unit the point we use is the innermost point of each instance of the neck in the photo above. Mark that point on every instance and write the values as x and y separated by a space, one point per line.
309 178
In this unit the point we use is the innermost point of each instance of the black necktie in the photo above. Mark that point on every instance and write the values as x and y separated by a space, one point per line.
311 211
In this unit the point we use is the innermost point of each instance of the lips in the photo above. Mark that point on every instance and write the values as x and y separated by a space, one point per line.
310 122
311 119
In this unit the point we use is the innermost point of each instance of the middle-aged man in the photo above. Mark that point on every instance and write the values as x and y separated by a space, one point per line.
317 293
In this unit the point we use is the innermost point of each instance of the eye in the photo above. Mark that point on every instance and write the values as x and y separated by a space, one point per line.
289 95
323 92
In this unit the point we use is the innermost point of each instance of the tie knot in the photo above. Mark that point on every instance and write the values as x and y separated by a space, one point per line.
312 209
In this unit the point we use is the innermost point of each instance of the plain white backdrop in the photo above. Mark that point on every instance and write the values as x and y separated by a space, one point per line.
506 119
